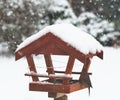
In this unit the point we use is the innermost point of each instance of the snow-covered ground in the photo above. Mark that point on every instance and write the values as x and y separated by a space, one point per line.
105 79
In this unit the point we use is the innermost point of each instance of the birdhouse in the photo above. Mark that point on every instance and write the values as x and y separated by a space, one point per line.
61 40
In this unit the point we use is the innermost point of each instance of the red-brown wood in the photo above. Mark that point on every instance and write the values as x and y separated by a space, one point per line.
72 72
57 46
86 64
30 48
56 95
57 88
84 77
64 97
69 68
49 64
48 45
70 65
69 49
85 67
49 76
50 48
32 67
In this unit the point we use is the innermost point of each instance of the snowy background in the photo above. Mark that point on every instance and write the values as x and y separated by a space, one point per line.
22 18
105 79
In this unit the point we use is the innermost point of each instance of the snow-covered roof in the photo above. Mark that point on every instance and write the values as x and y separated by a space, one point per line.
70 34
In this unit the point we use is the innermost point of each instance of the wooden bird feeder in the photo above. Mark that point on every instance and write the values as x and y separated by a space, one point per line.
50 44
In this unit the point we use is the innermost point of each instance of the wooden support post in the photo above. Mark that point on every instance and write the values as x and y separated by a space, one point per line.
61 98
55 95
87 64
85 67
84 78
72 72
69 68
49 64
70 65
32 67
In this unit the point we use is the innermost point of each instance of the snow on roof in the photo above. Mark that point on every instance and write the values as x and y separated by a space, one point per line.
70 34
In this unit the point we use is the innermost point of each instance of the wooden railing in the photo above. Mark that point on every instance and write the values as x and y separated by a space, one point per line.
49 76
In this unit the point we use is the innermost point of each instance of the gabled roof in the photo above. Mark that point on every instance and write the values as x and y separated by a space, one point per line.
60 39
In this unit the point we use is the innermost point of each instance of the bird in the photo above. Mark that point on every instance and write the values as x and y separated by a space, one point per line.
85 80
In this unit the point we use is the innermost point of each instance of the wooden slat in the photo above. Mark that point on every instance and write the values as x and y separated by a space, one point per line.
72 72
69 49
55 95
70 65
58 88
32 66
84 78
30 48
48 76
63 97
86 65
51 48
49 64
69 68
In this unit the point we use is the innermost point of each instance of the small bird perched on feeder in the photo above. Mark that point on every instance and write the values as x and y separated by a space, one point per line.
85 80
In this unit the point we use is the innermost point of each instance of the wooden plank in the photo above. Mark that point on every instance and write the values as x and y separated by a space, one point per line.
70 65
69 49
32 67
49 64
85 68
51 48
48 76
64 97
69 68
56 88
89 73
77 86
29 49
86 64
55 95
100 54
84 78
49 87
62 48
